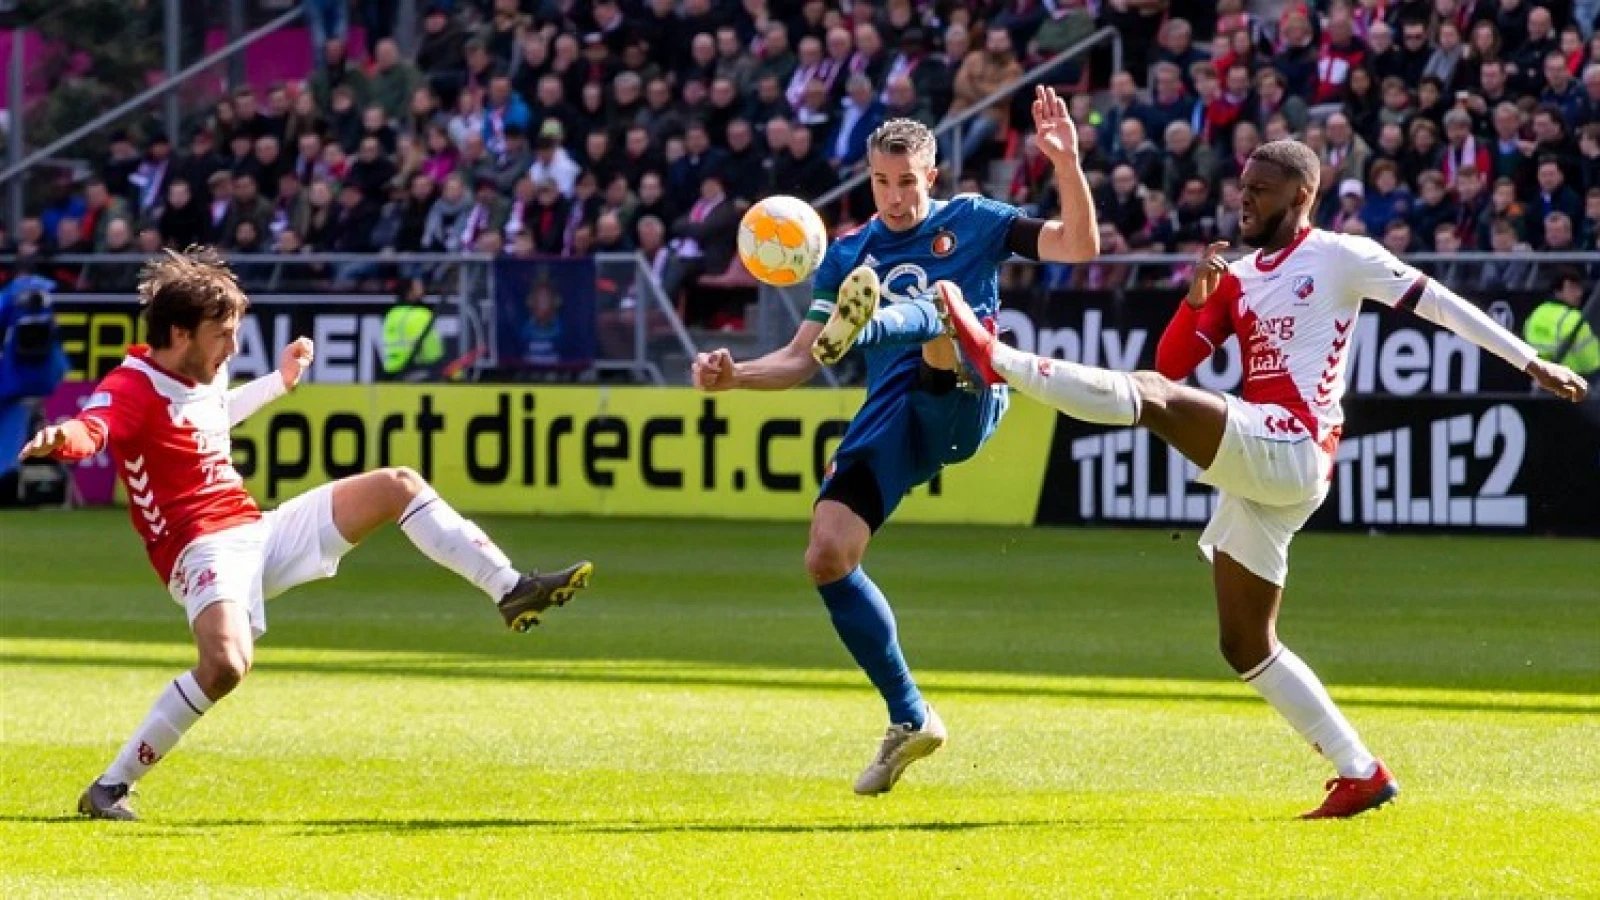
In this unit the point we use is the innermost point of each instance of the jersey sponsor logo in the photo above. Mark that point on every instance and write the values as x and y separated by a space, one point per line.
944 243
905 282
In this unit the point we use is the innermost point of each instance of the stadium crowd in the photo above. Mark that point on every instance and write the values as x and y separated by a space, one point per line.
535 127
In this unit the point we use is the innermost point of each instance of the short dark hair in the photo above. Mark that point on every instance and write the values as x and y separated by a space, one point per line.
1294 158
181 290
903 137
1567 275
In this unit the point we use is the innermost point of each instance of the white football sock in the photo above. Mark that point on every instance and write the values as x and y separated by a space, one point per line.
180 705
1086 393
1294 691
455 543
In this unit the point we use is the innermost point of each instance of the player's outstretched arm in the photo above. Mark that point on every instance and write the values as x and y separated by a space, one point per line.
779 370
1435 302
245 400
1075 236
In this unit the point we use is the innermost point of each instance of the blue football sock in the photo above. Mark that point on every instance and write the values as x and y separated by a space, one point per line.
914 322
865 623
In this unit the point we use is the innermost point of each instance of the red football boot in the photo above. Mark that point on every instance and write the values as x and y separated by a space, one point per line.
974 339
1352 796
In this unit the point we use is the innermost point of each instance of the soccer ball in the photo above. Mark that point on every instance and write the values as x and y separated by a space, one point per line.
781 240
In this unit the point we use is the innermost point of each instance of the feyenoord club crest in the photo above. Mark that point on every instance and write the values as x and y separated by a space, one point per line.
944 243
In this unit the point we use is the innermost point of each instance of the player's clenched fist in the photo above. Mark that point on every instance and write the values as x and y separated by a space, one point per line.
1207 274
713 371
294 361
49 439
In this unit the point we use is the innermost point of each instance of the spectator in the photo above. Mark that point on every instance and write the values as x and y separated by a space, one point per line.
1184 159
1462 148
724 107
1352 203
100 209
319 224
148 242
702 240
500 35
862 115
1176 47
609 236
183 222
1445 61
733 62
743 173
1560 89
1340 53
290 212
1553 196
488 213
1122 202
372 172
394 81
150 178
336 71
547 221
1447 240
1424 151
266 164
1415 51
247 206
1399 239
1387 200
1347 154
1472 205
627 100
982 74
1433 208
1530 52
481 67
1245 140
700 159
1296 60
119 276
768 101
1124 105
441 155
1586 111
304 119
1229 208
1272 98
1170 102
1397 108
653 198
551 105
440 51
1510 150
1139 152
1501 275
1558 330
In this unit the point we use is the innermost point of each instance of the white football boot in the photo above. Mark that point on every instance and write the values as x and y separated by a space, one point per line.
902 745
857 301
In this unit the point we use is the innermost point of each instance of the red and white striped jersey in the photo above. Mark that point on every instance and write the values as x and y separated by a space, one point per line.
168 438
1295 314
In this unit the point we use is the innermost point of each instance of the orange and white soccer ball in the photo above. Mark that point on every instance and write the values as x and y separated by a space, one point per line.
781 240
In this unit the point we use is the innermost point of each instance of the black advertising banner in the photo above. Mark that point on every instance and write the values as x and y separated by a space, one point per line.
1397 354
1409 464
348 330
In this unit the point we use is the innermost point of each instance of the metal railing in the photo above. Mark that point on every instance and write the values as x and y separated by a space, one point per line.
952 125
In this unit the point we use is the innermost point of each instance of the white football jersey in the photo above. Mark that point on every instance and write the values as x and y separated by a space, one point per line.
1295 313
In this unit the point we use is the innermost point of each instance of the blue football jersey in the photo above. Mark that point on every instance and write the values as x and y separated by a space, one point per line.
962 240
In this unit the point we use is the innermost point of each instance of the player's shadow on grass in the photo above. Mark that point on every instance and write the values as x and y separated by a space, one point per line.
401 827
693 678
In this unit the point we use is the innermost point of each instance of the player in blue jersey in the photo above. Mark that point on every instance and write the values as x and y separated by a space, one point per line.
915 419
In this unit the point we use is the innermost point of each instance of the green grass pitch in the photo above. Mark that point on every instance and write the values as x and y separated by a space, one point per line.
690 727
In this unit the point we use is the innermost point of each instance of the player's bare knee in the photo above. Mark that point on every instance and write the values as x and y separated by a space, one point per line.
828 560
222 668
1244 652
402 484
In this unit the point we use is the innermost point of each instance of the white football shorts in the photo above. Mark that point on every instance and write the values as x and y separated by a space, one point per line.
249 564
1272 475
